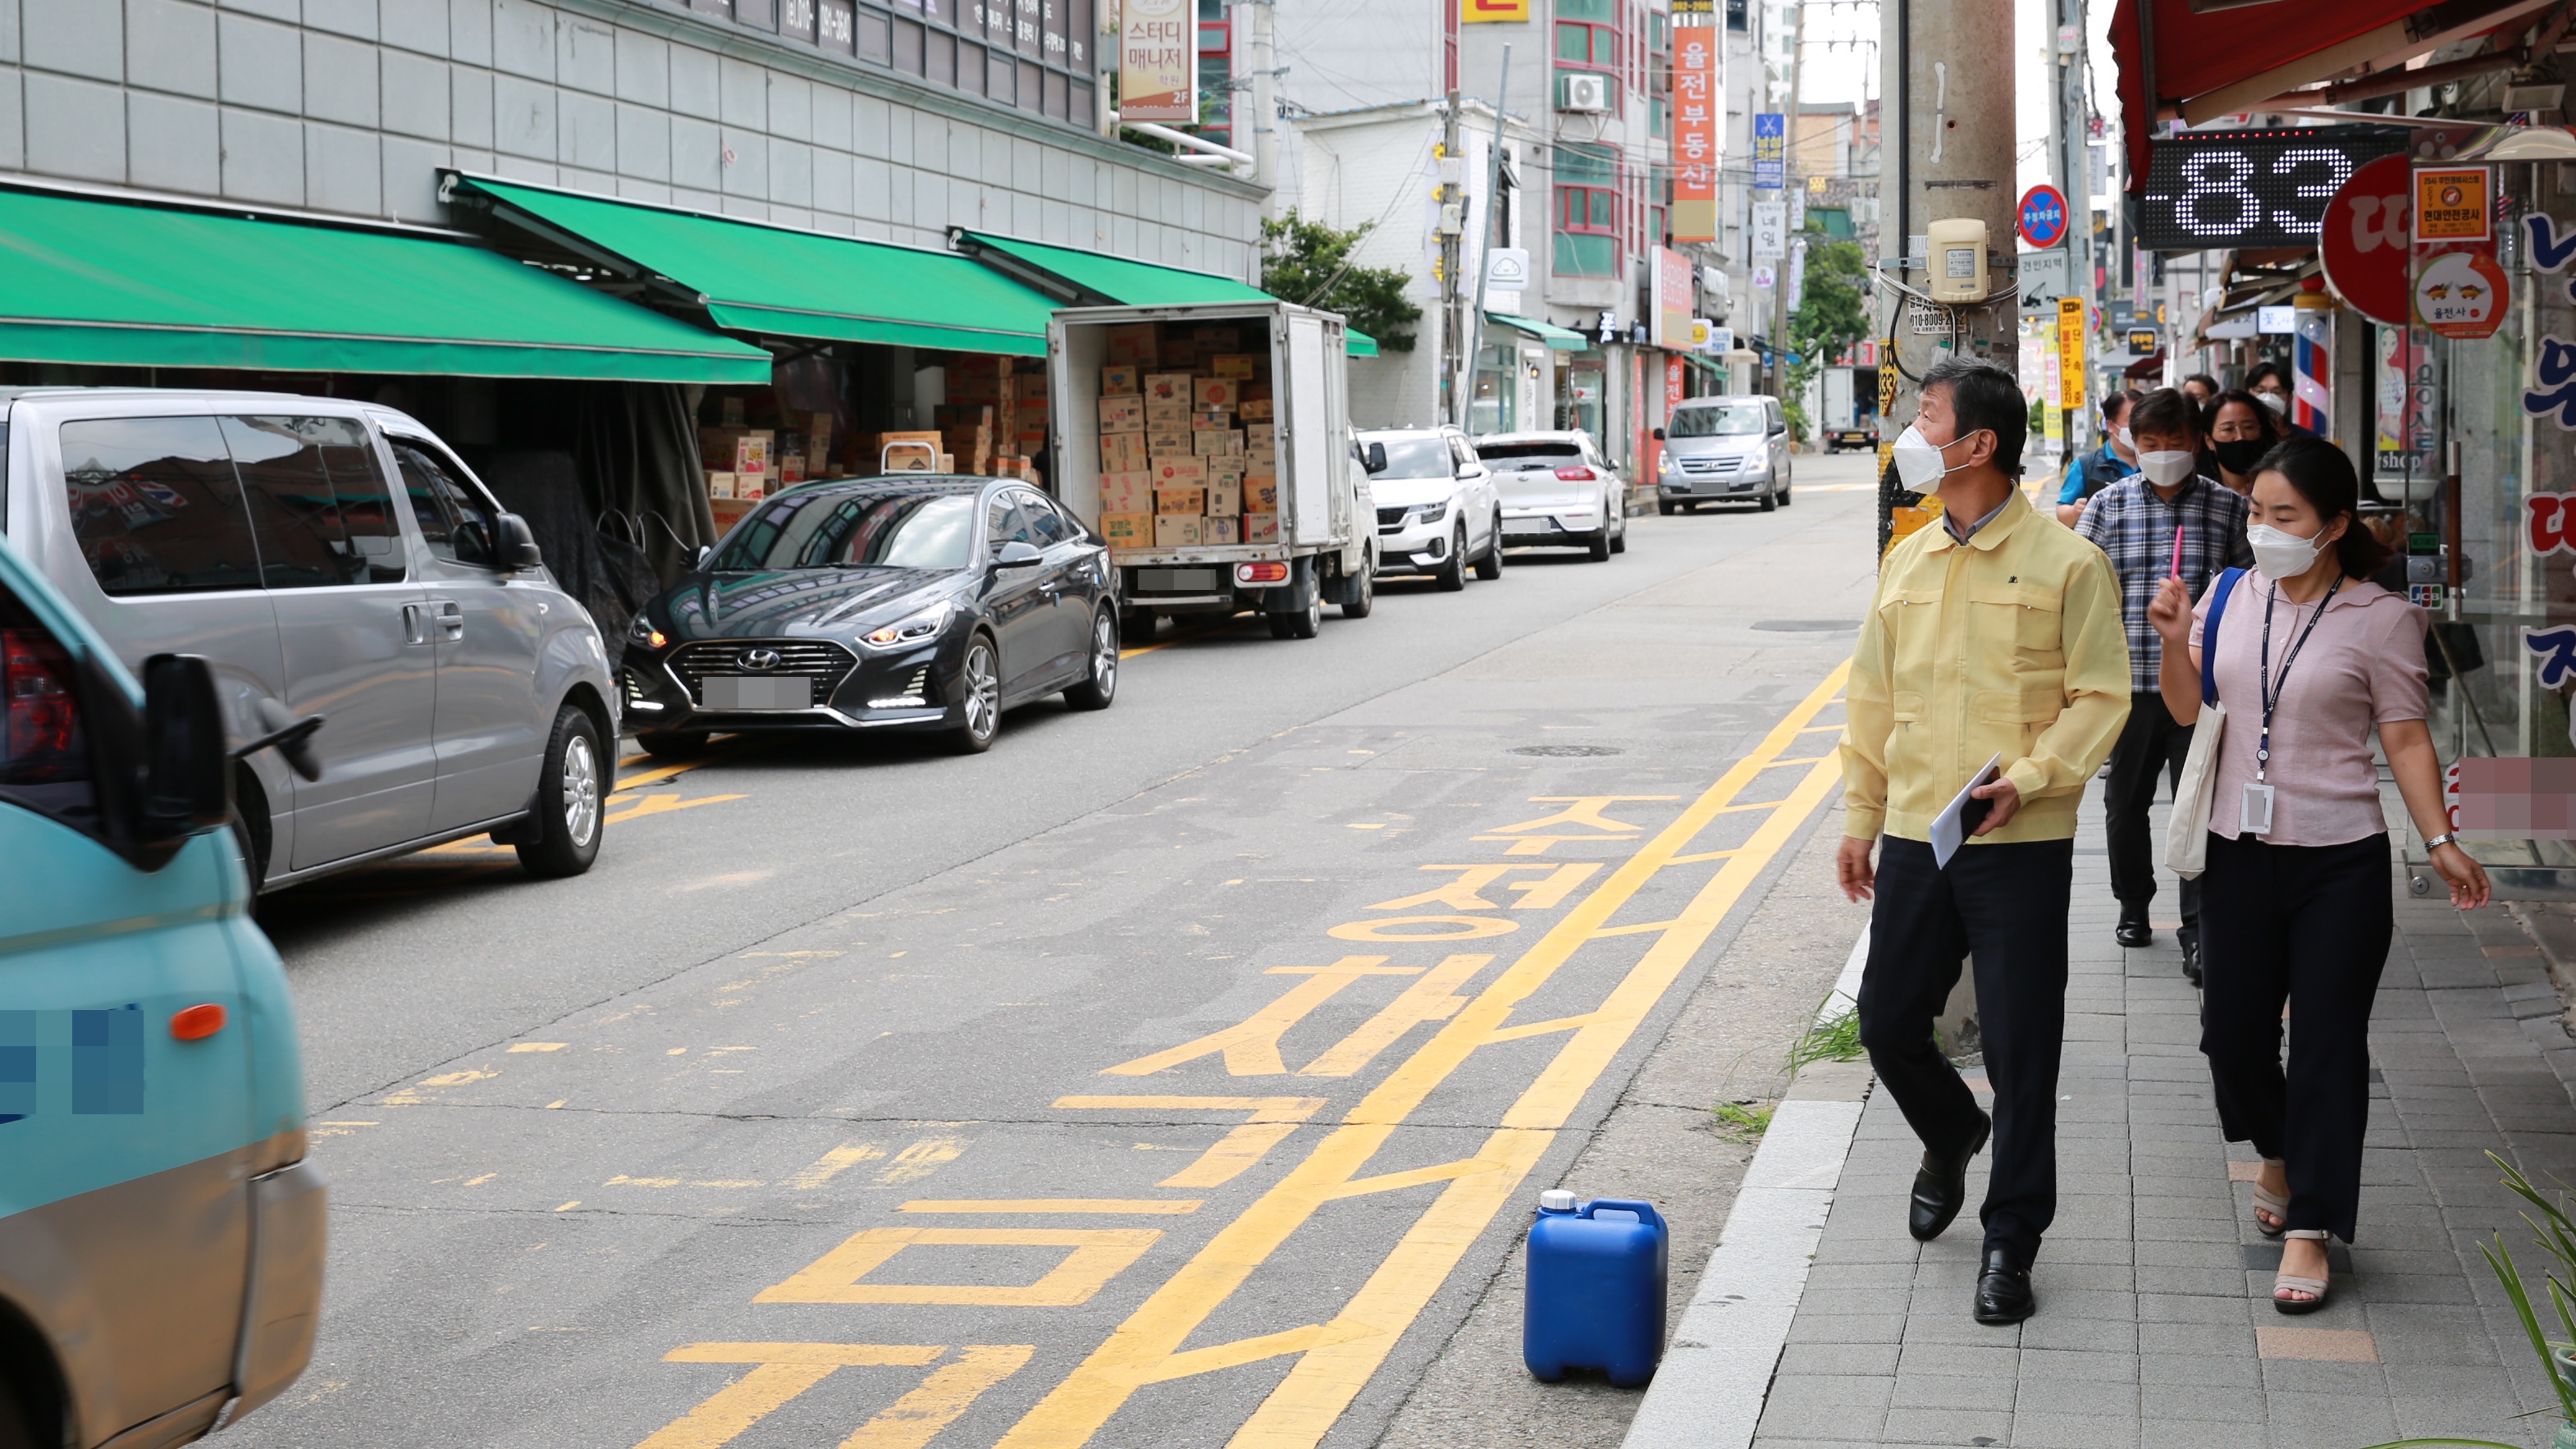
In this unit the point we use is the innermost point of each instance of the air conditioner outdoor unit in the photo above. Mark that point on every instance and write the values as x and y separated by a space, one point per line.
1583 93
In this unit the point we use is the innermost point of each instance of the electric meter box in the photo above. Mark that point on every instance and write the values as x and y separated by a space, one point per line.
1959 261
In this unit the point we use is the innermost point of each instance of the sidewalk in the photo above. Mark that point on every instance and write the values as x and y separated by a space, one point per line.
2153 1329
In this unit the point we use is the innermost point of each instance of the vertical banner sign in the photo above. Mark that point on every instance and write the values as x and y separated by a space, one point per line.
2459 290
2070 351
1157 64
1770 150
1797 275
1673 300
1695 142
1770 232
1475 12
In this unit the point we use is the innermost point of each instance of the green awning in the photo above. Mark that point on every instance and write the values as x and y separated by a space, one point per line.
776 282
1557 338
1091 280
113 284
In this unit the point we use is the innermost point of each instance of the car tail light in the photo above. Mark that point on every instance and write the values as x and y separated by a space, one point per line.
1578 473
43 724
1260 573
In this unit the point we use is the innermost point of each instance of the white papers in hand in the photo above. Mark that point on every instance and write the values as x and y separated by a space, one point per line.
1950 828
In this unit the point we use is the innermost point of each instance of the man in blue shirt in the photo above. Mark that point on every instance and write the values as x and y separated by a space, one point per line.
2116 459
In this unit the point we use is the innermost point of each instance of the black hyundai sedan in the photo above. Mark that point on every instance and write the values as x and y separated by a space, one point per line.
909 604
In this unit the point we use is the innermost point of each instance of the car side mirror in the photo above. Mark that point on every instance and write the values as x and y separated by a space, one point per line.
705 551
1376 459
187 771
515 544
1018 555
1779 428
1659 435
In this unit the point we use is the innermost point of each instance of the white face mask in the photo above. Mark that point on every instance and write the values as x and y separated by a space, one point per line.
2166 467
1919 465
2281 555
2121 436
2275 401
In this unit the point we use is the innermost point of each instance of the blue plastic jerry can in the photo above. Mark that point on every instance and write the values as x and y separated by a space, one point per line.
1596 1288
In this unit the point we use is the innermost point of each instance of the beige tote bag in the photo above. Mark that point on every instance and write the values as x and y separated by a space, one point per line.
2187 829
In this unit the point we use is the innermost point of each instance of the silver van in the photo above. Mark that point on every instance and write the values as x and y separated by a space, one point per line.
1724 448
330 558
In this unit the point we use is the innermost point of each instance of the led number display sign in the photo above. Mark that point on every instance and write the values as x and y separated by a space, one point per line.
2211 190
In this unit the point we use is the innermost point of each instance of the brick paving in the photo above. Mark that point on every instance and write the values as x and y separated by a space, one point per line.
2153 1285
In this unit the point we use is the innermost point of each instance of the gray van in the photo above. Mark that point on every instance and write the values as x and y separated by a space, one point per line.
329 558
1721 448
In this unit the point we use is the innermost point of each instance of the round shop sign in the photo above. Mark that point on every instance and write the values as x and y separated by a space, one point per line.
2366 240
2461 293
2042 219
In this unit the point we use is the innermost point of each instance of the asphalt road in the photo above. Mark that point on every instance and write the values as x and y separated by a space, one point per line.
1181 1074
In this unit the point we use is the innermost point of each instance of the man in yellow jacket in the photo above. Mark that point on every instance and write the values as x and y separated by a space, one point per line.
1996 634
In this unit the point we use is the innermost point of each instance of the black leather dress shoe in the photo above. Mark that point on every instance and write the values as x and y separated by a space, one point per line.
2132 930
1941 1186
2003 1291
2191 960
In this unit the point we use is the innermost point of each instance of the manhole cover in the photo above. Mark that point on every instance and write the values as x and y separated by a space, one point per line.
1807 626
1560 752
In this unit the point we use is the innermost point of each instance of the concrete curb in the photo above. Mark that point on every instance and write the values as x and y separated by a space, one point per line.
1716 1373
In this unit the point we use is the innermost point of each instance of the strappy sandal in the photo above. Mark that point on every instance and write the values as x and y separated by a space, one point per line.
2289 1282
2268 1201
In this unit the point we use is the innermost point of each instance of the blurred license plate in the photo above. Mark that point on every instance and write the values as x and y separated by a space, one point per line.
728 691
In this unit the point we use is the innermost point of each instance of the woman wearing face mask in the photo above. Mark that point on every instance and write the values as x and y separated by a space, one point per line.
2295 899
2240 431
2269 382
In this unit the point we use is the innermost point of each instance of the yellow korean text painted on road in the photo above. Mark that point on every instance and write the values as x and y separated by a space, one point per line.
1335 1359
781 1371
1099 1254
1273 1119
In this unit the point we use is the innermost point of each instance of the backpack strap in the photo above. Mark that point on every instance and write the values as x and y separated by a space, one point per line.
2209 635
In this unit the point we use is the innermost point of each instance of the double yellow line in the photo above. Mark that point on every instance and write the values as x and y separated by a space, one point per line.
1335 1359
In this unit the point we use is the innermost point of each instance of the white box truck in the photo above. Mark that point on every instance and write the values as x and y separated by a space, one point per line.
1267 386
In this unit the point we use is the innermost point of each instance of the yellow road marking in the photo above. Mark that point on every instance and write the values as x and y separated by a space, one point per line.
663 803
920 1160
1539 844
1468 928
1153 1206
1233 623
539 1046
1427 999
781 1371
1099 1254
1251 1046
847 1155
910 1421
1335 1360
1582 810
1273 1119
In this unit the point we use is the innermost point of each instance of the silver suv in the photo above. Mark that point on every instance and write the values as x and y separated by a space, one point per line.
329 558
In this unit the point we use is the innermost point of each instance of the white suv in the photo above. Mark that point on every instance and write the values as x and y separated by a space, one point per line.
1437 510
1558 491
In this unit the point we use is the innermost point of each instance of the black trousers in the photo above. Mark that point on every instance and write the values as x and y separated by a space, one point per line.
2309 924
2150 745
2006 905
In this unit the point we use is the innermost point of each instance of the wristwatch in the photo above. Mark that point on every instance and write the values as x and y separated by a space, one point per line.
2435 842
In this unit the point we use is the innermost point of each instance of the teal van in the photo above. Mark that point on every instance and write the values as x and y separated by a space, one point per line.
160 1231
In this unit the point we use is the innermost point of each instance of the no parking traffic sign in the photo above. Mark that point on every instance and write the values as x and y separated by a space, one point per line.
2043 216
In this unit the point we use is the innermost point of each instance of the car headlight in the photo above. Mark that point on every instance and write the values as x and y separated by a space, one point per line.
1427 512
911 629
642 632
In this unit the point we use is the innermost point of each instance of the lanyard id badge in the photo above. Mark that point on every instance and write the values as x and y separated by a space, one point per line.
2255 813
2255 817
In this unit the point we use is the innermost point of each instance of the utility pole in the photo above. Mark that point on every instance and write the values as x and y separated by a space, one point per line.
1493 202
2074 177
1946 79
1788 179
1453 334
1265 105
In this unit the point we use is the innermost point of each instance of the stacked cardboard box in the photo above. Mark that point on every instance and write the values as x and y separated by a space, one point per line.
1198 407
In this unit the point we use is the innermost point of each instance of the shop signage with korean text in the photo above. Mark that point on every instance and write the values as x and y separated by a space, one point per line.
1695 132
1474 12
1770 150
1673 299
1158 62
2550 391
2459 289
1770 231
2070 351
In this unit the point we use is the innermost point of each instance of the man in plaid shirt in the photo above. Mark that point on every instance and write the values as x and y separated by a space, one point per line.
2133 521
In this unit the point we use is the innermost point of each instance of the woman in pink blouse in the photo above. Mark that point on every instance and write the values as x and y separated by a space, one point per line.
2296 901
